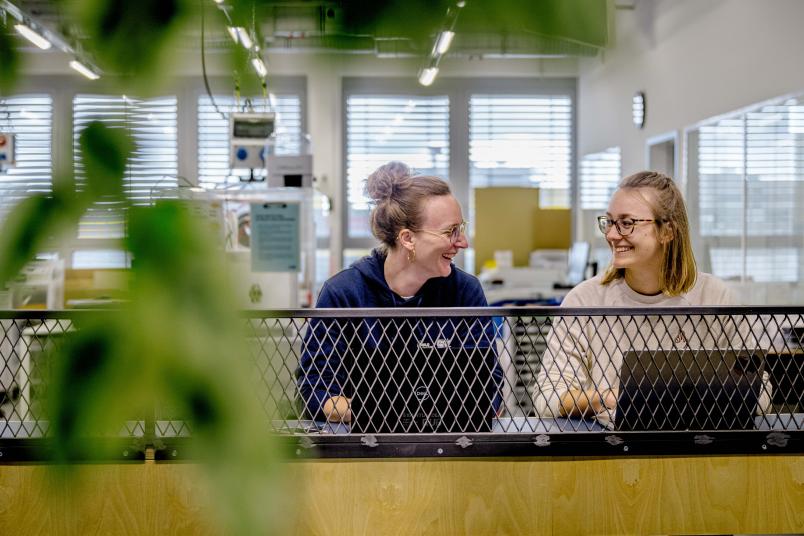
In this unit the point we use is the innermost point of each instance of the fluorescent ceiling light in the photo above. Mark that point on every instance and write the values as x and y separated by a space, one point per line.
83 69
428 75
240 35
34 37
245 39
234 33
443 42
260 67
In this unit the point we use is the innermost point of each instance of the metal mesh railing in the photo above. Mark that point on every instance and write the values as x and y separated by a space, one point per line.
420 372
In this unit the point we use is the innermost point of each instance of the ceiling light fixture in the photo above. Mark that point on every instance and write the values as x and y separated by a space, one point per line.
84 70
32 35
443 42
45 38
427 76
259 66
240 36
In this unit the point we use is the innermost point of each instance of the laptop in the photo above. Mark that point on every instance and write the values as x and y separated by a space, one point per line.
423 390
714 389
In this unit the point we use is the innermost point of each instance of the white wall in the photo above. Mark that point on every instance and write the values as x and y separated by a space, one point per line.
694 59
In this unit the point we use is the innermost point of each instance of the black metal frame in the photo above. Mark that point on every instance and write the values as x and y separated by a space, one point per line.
516 444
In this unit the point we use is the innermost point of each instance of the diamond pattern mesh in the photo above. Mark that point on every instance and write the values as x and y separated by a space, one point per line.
518 371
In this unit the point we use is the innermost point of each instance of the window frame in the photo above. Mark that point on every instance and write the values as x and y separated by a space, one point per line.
459 91
742 241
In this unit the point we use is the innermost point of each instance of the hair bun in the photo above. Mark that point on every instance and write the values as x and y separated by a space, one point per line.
382 183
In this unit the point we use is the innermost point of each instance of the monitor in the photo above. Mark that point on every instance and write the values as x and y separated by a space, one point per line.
577 262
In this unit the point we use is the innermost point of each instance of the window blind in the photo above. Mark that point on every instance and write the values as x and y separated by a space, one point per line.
752 193
721 162
30 118
152 125
763 265
517 140
600 174
412 129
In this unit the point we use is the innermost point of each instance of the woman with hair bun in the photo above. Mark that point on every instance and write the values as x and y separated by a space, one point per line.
420 227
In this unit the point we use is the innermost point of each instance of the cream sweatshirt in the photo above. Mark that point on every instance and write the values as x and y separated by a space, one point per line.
584 352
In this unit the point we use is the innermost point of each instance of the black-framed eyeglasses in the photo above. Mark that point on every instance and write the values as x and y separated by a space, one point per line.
625 226
453 233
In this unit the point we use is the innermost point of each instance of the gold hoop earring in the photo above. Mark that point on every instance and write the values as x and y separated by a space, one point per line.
411 255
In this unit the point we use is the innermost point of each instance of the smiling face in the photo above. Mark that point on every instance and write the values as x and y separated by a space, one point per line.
641 250
434 249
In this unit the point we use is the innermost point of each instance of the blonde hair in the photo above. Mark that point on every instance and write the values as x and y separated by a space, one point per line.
398 196
679 269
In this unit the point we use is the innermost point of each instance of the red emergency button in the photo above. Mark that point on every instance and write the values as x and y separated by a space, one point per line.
2 139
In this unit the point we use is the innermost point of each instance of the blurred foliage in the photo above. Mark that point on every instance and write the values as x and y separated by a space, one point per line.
104 152
395 18
584 21
243 73
9 58
180 344
179 341
134 40
25 231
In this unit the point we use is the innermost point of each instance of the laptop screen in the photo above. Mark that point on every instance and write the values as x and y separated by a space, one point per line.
714 389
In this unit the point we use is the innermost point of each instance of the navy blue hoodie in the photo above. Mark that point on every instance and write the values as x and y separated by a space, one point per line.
328 343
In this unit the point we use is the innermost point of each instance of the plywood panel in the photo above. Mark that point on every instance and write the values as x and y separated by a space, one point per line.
426 497
701 495
760 494
103 499
552 229
504 220
510 219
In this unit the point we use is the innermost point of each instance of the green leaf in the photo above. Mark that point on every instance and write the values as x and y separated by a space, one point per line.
26 228
104 151
9 59
154 236
97 383
135 39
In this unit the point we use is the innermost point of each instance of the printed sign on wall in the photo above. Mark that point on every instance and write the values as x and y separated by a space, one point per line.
275 237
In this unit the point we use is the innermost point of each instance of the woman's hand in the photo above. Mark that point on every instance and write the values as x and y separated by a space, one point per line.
609 398
588 403
338 409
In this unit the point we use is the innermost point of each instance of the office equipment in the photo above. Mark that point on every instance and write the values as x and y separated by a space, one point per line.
40 285
548 259
715 389
421 390
551 274
290 171
7 152
249 135
577 262
526 343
